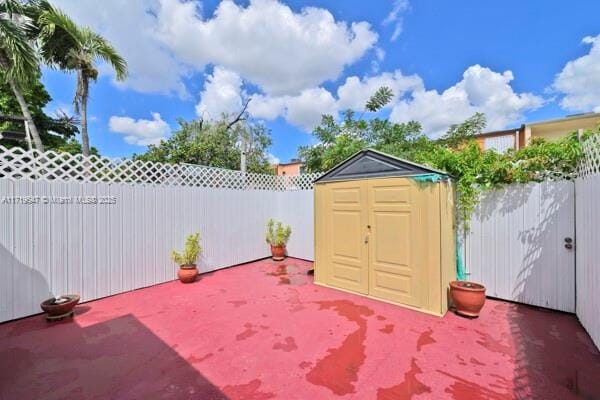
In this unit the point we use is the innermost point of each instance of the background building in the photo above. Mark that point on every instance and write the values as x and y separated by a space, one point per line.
551 130
294 167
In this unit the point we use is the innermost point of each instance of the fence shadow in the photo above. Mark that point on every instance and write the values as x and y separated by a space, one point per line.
116 358
534 240
25 287
537 239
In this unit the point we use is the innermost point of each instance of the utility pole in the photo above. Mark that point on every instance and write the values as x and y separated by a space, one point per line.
246 141
243 156
246 145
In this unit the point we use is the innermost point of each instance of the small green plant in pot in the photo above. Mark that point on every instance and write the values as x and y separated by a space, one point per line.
187 259
277 236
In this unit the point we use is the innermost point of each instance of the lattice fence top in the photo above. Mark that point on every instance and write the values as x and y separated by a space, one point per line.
16 163
590 162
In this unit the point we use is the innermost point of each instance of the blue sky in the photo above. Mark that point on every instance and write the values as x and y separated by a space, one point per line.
514 60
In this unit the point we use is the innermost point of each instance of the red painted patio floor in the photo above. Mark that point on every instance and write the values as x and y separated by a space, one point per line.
263 330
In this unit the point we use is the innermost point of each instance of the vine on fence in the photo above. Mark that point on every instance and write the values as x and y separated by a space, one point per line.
476 171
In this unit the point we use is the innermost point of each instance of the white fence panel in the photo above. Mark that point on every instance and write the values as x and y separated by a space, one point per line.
516 246
296 208
98 250
588 254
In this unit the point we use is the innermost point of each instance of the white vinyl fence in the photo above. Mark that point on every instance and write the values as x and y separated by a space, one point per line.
516 244
587 189
98 237
296 208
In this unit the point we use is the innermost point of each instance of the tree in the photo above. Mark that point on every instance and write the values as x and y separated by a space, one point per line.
380 99
69 47
338 141
54 131
18 61
459 134
214 144
73 146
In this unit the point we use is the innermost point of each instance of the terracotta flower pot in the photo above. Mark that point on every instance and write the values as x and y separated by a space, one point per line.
278 252
468 297
187 273
57 310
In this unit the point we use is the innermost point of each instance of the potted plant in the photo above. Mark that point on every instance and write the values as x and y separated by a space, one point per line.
277 236
59 307
187 259
468 297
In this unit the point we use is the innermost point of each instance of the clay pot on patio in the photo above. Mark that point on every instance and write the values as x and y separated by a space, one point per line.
187 273
278 252
468 297
59 307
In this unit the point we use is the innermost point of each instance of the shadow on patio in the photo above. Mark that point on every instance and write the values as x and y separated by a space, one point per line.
117 358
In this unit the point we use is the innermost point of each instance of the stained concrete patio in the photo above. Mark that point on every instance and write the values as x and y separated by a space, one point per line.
263 330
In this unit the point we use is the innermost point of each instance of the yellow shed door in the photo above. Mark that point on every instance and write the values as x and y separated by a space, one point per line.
345 251
395 259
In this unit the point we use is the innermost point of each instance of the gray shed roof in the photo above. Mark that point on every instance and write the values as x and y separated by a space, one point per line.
371 163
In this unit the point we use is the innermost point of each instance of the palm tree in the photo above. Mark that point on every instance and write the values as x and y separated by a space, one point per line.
18 60
66 45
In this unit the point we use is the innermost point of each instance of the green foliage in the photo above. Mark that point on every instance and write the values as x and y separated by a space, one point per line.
460 134
277 234
476 171
213 144
17 53
191 251
73 146
55 131
340 141
472 169
382 96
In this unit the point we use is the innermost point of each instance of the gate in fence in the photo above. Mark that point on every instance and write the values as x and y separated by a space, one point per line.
521 244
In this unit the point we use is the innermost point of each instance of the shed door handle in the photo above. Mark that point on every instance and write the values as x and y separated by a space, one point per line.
367 238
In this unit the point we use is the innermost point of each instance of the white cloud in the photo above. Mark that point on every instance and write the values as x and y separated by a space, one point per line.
395 17
379 57
579 80
221 95
306 109
223 91
266 43
273 160
131 27
141 132
267 107
303 110
355 93
480 90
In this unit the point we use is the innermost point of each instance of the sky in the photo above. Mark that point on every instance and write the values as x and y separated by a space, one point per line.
514 60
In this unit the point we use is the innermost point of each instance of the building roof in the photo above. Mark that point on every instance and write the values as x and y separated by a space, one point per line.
371 163
568 118
292 162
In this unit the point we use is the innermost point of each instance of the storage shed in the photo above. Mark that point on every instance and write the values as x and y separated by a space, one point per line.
384 228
